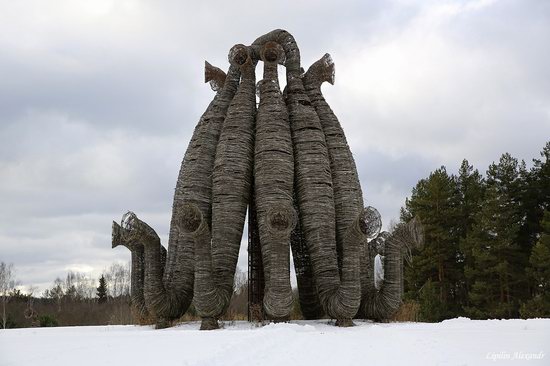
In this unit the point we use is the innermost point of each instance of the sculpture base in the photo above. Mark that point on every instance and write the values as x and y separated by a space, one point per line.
279 320
209 324
162 323
347 322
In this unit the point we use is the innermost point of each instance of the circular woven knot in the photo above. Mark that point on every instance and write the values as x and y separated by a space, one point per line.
281 219
190 218
272 52
371 222
238 55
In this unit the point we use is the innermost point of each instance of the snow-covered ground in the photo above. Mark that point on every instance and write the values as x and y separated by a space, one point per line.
452 342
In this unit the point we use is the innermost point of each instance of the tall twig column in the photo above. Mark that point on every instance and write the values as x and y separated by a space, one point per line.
348 197
232 179
274 180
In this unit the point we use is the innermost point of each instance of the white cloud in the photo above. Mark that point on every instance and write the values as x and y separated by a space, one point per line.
419 89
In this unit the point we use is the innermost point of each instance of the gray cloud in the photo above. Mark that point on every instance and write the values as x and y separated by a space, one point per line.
98 101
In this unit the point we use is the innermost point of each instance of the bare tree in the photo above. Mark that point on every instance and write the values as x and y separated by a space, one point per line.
241 281
78 286
56 292
118 279
7 284
69 286
85 285
30 313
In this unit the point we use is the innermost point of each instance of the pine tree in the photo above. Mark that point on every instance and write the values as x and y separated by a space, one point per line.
502 249
496 274
432 309
535 198
102 290
471 188
541 176
434 200
539 274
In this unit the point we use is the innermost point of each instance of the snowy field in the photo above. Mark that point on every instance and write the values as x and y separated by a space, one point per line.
452 342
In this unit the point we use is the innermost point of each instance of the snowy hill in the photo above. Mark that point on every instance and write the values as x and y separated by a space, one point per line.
452 342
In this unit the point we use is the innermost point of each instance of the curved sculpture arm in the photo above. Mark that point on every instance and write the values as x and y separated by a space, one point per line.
383 303
215 76
134 233
137 274
347 298
116 235
121 237
290 47
413 237
320 71
135 230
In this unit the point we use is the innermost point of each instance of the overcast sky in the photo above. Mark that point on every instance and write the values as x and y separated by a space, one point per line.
98 100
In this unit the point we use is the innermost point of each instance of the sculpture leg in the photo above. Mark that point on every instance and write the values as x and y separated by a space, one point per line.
307 291
339 295
381 304
137 275
274 179
256 279
231 182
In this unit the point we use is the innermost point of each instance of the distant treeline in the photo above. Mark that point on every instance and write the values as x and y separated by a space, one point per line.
79 300
487 248
75 300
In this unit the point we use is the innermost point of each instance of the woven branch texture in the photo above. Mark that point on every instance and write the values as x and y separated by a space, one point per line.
289 159
231 180
381 304
137 272
274 180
